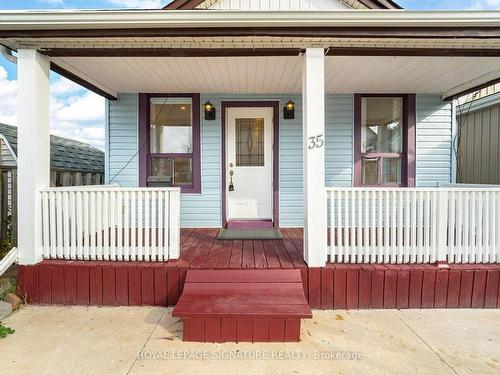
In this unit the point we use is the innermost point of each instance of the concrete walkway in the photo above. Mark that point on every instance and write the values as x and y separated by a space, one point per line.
79 340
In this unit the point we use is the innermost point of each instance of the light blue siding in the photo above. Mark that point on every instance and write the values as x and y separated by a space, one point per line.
339 140
338 155
434 141
122 140
209 202
291 168
433 148
204 210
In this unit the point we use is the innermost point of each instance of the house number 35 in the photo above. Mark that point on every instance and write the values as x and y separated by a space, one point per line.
316 142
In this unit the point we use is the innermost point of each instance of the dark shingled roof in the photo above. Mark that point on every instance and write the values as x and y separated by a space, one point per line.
65 154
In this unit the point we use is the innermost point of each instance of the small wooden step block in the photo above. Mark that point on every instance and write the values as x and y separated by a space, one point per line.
242 306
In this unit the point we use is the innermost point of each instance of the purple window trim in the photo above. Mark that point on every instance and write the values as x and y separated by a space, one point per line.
276 154
408 158
144 153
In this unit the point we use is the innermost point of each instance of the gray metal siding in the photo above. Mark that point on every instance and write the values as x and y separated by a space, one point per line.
433 141
7 158
478 154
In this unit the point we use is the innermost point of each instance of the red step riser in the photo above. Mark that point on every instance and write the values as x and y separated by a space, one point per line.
242 306
241 329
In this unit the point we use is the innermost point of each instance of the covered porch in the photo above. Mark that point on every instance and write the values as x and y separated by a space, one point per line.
395 231
55 218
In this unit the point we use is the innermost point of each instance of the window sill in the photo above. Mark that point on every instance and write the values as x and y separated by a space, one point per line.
190 190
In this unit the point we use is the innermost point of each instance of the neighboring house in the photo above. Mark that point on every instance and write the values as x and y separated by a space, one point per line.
72 163
330 122
477 142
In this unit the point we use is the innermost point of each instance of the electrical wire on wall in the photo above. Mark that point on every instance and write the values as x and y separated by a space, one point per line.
143 144
462 120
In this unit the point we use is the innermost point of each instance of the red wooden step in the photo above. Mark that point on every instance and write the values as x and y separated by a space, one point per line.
242 305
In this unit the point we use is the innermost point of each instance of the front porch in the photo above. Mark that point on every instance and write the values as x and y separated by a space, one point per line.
358 166
334 286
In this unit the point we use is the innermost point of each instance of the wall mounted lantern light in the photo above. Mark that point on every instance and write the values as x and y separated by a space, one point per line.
289 110
209 110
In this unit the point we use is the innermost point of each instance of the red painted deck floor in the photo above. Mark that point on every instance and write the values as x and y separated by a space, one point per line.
201 250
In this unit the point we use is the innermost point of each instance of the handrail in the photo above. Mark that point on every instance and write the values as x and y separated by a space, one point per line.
430 189
106 188
8 260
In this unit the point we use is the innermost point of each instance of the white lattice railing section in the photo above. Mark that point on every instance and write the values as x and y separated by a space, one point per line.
372 225
110 223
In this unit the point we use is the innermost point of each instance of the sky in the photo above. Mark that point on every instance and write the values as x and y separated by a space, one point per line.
78 113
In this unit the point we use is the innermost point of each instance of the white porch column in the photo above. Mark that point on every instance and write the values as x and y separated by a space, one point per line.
313 99
33 151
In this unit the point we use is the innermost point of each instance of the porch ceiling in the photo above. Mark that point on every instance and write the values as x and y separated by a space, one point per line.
282 74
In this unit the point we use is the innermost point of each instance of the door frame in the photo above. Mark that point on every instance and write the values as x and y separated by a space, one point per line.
274 104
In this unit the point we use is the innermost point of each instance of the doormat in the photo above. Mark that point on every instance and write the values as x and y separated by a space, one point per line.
253 234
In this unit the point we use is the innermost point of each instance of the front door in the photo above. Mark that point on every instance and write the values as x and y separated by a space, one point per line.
249 163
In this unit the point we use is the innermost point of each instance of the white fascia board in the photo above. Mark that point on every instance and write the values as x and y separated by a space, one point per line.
476 82
91 19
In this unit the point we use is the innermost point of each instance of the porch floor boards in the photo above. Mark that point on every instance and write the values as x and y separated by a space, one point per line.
201 250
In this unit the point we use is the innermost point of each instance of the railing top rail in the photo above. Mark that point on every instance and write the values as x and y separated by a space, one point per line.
103 188
429 189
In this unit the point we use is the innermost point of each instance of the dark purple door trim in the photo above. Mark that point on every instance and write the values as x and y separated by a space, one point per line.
408 169
276 153
144 140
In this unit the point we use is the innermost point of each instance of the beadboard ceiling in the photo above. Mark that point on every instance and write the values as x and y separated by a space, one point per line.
343 74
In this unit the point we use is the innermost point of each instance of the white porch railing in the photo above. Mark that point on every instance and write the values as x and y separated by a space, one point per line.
110 223
372 225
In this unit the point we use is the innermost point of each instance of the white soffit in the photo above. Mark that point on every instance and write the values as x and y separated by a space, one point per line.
343 74
192 74
404 74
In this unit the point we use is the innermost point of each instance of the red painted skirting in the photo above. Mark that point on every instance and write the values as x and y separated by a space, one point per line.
336 286
101 283
404 286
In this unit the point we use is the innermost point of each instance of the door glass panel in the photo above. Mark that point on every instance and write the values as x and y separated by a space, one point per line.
369 171
249 142
392 171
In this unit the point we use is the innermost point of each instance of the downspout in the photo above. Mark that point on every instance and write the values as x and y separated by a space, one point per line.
7 54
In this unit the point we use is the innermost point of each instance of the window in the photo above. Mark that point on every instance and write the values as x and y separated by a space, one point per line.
170 135
384 132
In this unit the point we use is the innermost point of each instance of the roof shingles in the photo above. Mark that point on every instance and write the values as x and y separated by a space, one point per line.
65 154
